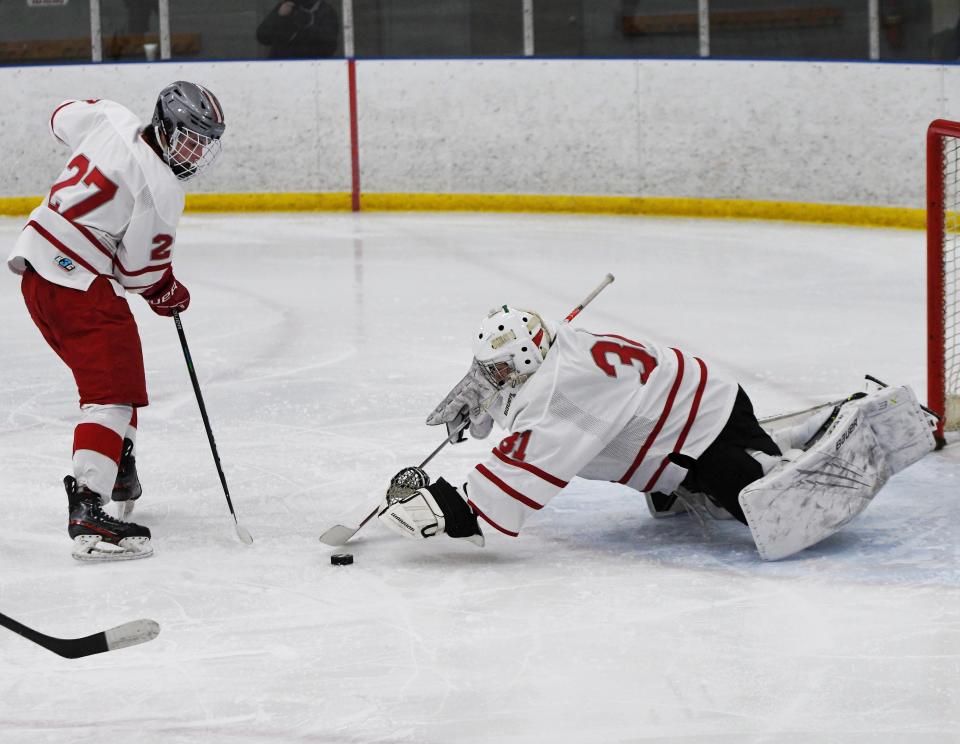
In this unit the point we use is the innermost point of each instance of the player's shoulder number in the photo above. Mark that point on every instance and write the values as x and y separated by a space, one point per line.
612 350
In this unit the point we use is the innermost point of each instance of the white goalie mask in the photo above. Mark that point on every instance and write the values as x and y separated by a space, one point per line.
511 345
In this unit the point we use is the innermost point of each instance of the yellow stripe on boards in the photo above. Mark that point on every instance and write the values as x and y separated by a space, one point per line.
328 202
17 205
744 209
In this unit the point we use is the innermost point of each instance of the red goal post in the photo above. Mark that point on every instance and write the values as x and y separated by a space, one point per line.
943 271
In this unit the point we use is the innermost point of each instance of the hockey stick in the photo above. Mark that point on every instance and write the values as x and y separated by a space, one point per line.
339 534
242 532
608 279
128 634
791 414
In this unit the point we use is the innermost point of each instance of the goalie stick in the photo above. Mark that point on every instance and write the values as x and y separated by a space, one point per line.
128 634
242 532
339 534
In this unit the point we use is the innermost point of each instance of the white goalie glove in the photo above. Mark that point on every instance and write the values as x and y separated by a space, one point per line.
468 399
436 509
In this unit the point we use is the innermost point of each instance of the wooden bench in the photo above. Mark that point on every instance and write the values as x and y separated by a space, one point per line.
114 47
732 20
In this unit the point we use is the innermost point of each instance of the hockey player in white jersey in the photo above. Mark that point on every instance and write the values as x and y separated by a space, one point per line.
107 228
606 407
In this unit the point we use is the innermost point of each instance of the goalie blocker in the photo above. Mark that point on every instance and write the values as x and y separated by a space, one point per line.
810 497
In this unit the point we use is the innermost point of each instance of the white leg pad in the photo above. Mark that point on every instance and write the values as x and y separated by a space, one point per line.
810 498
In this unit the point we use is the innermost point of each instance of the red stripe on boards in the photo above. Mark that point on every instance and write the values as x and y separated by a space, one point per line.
97 438
354 136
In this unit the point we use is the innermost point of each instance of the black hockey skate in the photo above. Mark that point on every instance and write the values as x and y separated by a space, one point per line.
127 488
96 535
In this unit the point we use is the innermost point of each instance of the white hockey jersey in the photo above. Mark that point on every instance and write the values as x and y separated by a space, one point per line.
113 210
602 407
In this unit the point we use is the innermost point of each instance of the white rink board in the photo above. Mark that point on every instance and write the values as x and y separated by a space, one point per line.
286 127
791 131
509 126
808 132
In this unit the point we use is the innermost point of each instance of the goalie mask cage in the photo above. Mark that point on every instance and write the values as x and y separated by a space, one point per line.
943 246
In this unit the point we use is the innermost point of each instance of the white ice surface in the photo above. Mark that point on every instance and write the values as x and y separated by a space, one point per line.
321 343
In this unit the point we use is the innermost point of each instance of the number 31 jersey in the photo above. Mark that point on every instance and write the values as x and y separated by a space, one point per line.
114 209
602 407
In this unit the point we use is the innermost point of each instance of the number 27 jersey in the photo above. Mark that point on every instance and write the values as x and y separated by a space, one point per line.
113 210
602 407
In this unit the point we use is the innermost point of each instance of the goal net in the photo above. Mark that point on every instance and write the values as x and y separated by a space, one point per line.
943 254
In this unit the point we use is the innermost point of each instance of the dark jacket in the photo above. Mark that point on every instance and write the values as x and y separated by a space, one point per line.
311 30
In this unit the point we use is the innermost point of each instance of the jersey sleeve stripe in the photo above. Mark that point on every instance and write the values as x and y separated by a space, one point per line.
138 272
53 116
552 479
489 521
667 407
694 409
83 230
61 247
482 469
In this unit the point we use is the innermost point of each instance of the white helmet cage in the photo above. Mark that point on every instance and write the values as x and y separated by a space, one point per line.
511 345
188 122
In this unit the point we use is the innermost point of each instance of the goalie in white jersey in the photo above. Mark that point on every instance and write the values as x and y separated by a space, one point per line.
606 407
107 228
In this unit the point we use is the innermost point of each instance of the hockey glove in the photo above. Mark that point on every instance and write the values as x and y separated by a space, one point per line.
468 399
431 511
167 295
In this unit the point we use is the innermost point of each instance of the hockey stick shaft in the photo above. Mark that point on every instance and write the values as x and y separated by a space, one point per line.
242 533
791 414
340 533
608 279
128 634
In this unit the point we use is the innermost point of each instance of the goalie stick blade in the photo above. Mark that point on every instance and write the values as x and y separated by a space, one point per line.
338 535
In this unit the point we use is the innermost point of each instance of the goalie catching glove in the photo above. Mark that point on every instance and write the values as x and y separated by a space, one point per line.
435 509
468 400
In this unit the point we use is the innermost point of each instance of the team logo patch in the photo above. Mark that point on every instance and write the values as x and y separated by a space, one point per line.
65 263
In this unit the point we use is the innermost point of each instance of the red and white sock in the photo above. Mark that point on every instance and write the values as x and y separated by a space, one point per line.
97 444
131 432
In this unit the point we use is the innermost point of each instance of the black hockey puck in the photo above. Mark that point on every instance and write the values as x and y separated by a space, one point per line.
341 559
